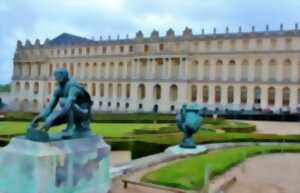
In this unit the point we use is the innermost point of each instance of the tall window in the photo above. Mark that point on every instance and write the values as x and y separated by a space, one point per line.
287 70
243 95
217 94
193 93
230 94
141 91
157 92
271 96
272 70
173 93
205 94
231 70
285 96
257 95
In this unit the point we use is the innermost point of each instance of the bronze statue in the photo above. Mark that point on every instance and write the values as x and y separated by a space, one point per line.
75 111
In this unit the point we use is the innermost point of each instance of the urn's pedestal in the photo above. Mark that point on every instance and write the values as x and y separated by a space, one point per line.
65 166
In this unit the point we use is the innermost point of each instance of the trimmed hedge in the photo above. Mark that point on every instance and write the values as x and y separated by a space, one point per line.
189 173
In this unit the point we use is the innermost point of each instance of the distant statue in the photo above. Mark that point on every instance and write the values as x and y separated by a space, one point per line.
75 111
188 120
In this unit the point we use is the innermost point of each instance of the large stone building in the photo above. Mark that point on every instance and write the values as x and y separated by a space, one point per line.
241 70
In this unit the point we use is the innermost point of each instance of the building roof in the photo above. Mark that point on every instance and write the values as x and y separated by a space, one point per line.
66 38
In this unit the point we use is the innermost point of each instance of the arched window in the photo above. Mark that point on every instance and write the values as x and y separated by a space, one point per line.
110 90
94 71
93 89
24 105
217 94
285 96
219 70
231 70
120 70
35 105
244 70
193 93
119 90
18 87
230 94
243 95
141 91
101 89
27 86
272 70
257 95
206 70
205 93
127 91
157 92
271 96
173 93
36 88
287 70
111 70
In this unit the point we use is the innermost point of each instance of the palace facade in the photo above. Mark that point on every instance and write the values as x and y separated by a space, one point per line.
233 71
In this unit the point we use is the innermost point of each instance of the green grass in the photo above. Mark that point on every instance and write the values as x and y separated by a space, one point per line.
5 88
104 129
189 173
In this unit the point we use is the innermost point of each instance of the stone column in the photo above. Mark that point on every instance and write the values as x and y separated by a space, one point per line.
265 72
225 70
278 97
200 93
211 96
250 96
264 97
237 96
168 63
212 69
224 100
279 75
294 66
238 71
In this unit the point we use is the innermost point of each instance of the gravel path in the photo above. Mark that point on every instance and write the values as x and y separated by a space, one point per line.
273 173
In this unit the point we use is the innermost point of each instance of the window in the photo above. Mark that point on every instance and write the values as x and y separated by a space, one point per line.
130 48
121 49
88 51
271 96
146 48
104 49
161 47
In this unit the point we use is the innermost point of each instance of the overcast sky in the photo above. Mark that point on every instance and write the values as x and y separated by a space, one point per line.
32 19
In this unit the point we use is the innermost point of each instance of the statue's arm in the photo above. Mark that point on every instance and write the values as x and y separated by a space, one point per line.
72 96
52 104
46 112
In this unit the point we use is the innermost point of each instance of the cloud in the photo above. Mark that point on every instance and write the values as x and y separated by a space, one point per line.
32 19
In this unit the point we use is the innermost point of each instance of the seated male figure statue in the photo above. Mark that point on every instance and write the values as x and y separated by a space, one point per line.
75 111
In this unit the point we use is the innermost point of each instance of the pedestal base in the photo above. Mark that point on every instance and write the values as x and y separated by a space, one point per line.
177 150
65 166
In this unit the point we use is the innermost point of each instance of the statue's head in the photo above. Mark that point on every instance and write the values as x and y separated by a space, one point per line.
61 75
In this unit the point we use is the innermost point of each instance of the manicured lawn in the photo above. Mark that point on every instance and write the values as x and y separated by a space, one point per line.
104 129
189 173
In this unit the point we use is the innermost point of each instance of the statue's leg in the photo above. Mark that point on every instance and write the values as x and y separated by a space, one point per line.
82 118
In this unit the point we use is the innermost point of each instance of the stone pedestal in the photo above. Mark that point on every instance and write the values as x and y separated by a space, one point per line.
177 150
65 166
